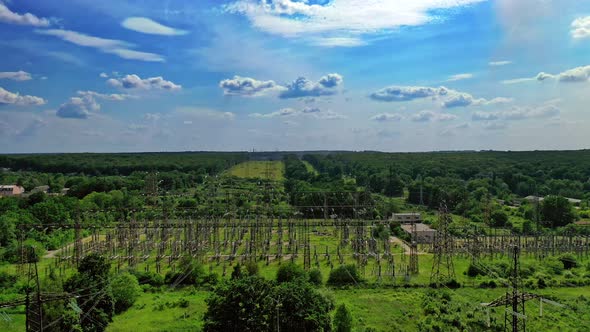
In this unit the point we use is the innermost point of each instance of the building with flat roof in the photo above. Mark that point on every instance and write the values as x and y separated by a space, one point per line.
11 190
424 234
402 218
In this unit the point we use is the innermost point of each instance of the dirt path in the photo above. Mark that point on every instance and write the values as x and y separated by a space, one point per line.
53 253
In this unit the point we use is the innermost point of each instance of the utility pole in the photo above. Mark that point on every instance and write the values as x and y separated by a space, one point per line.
443 270
414 250
514 299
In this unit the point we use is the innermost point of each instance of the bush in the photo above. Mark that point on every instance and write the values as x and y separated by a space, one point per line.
193 273
569 261
344 275
553 265
342 319
315 277
126 290
148 278
290 272
473 270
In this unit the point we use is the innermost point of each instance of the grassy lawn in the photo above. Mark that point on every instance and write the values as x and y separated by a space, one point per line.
163 312
268 170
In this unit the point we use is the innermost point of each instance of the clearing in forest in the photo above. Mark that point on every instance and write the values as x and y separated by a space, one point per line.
310 167
272 170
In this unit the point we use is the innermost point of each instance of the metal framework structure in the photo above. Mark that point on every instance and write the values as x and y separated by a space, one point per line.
443 270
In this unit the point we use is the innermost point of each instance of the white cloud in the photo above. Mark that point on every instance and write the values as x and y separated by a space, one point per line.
519 113
578 74
459 77
302 87
10 98
85 104
427 116
339 20
149 26
386 117
195 113
135 82
109 97
15 75
313 112
8 16
451 98
581 28
281 112
499 63
78 107
407 93
338 41
103 75
248 87
462 99
111 46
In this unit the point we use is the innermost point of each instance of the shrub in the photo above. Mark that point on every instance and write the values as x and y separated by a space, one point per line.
148 278
342 319
290 272
344 275
473 270
315 277
569 261
126 290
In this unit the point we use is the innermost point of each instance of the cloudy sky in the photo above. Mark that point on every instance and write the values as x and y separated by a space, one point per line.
390 75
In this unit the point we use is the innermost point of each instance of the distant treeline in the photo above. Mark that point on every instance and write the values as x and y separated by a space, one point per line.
123 163
565 173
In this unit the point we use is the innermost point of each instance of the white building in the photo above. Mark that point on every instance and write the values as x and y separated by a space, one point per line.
11 190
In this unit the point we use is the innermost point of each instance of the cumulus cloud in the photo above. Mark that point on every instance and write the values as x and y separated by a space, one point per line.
10 98
462 99
135 82
248 87
499 63
407 93
151 27
313 112
8 16
302 87
451 98
427 116
386 117
581 28
459 77
578 74
103 75
338 20
15 75
78 107
111 46
518 113
85 104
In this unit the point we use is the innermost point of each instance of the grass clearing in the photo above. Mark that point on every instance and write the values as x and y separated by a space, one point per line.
267 170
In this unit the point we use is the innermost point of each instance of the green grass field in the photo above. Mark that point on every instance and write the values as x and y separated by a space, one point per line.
267 170
383 309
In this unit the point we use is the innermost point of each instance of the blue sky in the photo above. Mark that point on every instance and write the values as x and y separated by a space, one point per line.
407 75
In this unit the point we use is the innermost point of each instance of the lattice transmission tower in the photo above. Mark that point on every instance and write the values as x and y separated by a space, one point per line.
443 270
